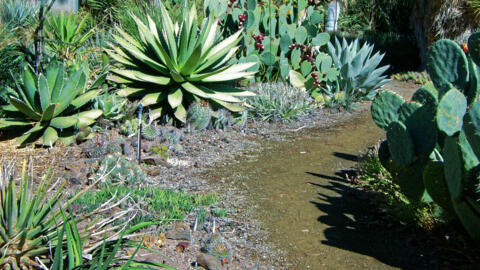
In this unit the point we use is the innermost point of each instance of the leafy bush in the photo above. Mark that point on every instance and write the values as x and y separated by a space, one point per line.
280 102
432 145
51 104
170 69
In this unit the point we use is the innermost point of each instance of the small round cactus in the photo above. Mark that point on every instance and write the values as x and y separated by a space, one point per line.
150 132
198 116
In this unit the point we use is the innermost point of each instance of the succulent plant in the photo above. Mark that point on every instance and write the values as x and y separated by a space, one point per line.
198 116
181 63
170 135
433 142
218 247
118 170
222 119
51 104
359 71
149 132
113 106
129 127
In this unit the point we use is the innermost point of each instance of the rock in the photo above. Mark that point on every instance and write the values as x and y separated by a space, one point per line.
182 246
174 235
127 149
155 171
208 261
153 160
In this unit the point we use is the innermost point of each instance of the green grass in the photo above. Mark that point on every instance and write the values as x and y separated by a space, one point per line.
157 202
376 179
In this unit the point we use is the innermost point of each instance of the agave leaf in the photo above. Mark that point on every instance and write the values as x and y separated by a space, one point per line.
192 61
175 97
228 89
181 113
169 31
125 92
30 88
152 98
84 99
48 113
24 108
98 81
64 122
10 123
223 76
50 136
140 76
230 106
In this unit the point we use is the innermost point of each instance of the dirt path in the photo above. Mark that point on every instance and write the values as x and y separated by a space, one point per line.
313 213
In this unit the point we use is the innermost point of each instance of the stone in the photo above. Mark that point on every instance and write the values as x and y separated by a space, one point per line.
174 235
208 262
153 160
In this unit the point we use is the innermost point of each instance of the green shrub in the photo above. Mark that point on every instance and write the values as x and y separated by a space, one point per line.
280 102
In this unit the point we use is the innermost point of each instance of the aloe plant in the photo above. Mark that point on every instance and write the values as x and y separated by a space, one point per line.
172 65
51 104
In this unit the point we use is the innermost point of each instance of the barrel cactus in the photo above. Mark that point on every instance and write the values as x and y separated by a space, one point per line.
433 142
198 116
150 132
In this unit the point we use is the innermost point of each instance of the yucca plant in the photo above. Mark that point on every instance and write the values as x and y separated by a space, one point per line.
173 65
359 71
51 103
66 33
37 233
29 220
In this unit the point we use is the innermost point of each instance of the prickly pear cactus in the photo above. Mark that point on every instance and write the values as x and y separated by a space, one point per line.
385 108
447 66
434 145
198 116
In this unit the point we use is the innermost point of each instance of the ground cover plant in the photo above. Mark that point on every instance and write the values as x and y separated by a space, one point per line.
432 141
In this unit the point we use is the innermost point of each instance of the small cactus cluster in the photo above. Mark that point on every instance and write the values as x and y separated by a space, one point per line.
199 115
117 169
218 247
129 127
222 119
433 141
150 132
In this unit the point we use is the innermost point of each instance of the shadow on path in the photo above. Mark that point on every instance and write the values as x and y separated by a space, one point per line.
355 225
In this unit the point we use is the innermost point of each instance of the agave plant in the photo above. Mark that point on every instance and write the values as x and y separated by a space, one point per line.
173 65
66 34
359 74
51 103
